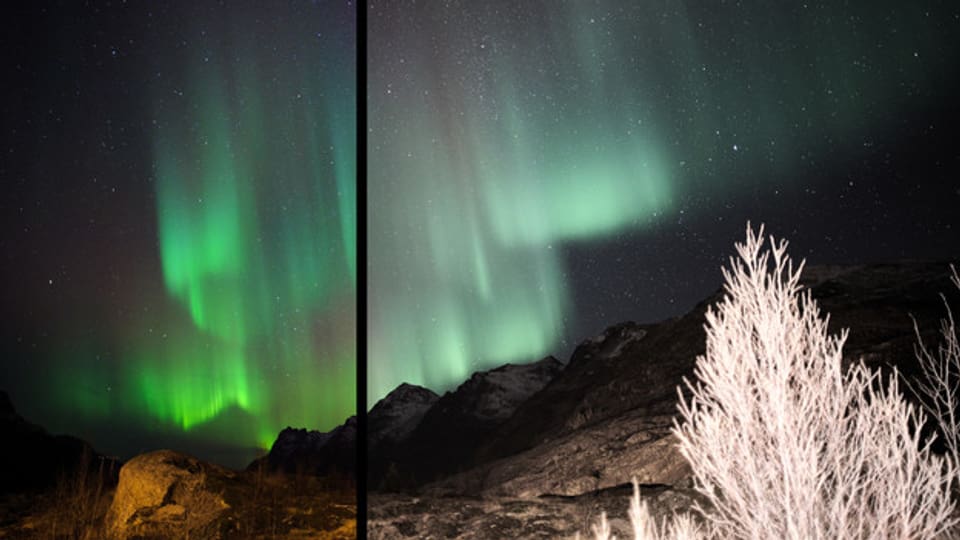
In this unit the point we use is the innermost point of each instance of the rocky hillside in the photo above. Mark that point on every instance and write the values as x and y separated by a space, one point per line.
395 416
458 422
605 416
314 453
32 459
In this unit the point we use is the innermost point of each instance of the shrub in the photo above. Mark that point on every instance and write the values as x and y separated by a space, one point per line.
939 387
782 442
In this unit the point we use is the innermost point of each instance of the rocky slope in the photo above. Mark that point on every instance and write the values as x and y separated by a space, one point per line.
456 424
394 515
394 417
605 417
32 459
315 453
389 425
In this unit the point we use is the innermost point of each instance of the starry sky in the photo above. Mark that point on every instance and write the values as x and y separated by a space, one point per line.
179 221
541 170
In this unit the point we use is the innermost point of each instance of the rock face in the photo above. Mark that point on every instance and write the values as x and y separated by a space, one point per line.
630 367
458 422
583 461
32 459
395 416
299 451
389 425
164 494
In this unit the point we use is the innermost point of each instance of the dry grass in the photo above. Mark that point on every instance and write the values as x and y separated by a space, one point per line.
75 508
264 505
296 506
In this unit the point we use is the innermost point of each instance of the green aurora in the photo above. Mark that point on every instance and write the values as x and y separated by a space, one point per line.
257 234
502 132
254 167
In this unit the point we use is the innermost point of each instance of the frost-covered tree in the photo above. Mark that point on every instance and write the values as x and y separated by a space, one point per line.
939 385
782 441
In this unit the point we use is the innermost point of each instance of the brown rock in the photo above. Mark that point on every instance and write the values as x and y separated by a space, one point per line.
168 494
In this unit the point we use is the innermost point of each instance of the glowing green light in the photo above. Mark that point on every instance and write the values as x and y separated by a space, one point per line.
502 137
250 325
256 240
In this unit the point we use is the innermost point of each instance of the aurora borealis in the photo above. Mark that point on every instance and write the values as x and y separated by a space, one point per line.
254 188
541 170
190 254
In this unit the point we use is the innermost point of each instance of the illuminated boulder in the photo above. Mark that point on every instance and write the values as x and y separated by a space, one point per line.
165 494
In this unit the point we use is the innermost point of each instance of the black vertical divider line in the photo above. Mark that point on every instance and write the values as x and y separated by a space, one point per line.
361 91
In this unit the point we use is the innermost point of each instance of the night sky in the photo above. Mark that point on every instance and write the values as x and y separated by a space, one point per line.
541 170
179 221
179 199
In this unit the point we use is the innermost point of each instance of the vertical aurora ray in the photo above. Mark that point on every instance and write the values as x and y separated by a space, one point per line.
504 132
254 157
474 194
